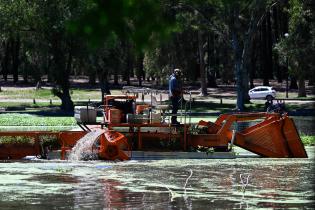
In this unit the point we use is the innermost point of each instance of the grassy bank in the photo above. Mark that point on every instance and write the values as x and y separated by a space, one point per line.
33 120
26 105
46 93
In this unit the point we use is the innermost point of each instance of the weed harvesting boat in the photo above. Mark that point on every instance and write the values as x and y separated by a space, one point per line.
129 126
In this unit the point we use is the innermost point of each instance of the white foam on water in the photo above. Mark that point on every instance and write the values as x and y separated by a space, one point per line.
84 145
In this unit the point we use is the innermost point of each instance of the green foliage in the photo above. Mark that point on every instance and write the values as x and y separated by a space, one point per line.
46 140
16 140
308 140
156 66
299 47
136 20
50 140
23 13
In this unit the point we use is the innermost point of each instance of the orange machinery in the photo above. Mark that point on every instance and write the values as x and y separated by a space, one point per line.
272 135
112 144
275 135
113 114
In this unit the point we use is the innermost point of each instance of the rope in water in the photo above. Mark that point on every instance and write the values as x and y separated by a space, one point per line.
243 177
191 173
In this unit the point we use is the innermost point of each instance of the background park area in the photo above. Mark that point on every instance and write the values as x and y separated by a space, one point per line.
56 55
29 107
76 51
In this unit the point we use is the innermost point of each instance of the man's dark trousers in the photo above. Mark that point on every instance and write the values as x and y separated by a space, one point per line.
175 106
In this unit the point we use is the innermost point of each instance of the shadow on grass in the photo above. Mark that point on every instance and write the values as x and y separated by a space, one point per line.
201 106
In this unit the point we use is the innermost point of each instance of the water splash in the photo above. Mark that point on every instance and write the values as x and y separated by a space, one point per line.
83 150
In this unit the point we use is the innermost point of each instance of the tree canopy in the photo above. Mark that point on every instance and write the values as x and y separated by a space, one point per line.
234 41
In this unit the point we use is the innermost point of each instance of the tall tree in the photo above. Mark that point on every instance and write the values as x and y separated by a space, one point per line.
241 42
202 66
212 59
297 48
236 23
11 31
266 45
62 46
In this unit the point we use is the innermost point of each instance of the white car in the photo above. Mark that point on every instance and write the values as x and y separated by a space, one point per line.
262 92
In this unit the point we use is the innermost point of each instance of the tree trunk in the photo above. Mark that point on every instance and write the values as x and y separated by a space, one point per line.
15 58
237 59
129 67
66 102
203 75
283 28
293 83
269 48
49 72
241 76
103 78
92 76
211 74
140 70
252 65
104 85
5 61
62 71
245 65
238 68
264 52
241 56
25 68
116 82
302 90
277 68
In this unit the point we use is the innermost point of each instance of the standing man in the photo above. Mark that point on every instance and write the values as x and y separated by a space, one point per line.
175 92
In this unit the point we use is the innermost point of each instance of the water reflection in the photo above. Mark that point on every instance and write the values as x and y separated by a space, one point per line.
163 184
305 125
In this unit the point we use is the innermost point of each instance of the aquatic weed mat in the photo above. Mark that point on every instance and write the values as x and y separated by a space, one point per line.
244 182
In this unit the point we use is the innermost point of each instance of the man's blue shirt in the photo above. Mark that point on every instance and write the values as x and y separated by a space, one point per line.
174 86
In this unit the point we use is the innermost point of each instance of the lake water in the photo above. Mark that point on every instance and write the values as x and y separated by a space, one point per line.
241 183
305 125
